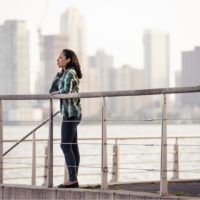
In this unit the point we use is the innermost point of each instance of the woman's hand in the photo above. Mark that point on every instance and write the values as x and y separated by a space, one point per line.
55 92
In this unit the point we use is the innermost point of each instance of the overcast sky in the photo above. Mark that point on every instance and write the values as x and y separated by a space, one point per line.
117 25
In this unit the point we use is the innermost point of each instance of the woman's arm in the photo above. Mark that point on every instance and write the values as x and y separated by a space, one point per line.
54 85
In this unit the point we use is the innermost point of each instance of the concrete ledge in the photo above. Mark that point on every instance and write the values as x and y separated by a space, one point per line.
21 193
40 193
49 194
63 194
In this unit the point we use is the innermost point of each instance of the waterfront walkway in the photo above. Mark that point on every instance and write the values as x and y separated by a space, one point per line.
188 189
8 192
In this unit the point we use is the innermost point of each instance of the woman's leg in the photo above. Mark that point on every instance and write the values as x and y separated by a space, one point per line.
68 133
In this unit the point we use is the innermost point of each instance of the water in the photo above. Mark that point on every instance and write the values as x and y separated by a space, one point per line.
139 159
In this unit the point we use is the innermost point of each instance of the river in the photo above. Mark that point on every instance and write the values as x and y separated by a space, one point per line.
139 158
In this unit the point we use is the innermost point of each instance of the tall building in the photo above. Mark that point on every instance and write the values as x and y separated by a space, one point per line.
99 76
14 66
156 59
190 75
72 25
51 46
14 58
103 63
128 78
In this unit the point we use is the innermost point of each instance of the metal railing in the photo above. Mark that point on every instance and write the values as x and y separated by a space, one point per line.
120 162
103 95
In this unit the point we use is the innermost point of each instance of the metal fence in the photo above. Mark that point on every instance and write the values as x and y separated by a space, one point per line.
125 163
104 141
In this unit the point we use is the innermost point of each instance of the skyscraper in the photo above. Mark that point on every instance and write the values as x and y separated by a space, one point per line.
190 75
14 65
99 76
128 78
156 59
72 25
103 63
51 46
14 58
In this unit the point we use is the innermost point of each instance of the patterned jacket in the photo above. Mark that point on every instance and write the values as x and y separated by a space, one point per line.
67 82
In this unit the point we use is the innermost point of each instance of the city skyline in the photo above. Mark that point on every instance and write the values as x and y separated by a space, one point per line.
119 28
101 74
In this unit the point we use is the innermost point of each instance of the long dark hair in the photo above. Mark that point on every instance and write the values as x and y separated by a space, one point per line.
73 61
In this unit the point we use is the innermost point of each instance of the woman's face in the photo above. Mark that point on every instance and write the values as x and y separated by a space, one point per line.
62 60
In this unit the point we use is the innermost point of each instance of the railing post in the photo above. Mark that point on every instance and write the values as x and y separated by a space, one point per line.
45 165
50 147
1 142
104 167
33 161
176 161
115 172
163 172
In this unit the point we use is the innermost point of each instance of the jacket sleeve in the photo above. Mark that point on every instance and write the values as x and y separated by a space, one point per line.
54 85
68 83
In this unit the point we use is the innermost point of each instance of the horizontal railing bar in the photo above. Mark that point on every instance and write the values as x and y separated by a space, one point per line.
21 157
112 138
91 155
92 174
155 91
91 164
14 168
190 161
145 162
10 168
25 97
94 121
10 178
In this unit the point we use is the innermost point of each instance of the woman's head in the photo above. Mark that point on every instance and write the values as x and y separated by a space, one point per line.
68 58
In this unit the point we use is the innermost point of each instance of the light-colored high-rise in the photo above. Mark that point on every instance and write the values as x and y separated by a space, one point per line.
190 75
128 78
72 25
14 58
103 63
14 66
156 59
51 46
100 73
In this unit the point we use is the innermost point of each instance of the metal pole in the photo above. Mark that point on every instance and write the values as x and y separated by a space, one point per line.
176 161
115 172
163 172
50 147
1 142
104 168
33 161
45 165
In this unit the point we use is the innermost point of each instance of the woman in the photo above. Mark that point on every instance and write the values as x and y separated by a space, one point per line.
67 81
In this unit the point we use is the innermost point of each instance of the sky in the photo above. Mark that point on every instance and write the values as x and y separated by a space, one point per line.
117 26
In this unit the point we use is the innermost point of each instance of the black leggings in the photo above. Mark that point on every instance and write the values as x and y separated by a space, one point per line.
69 145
